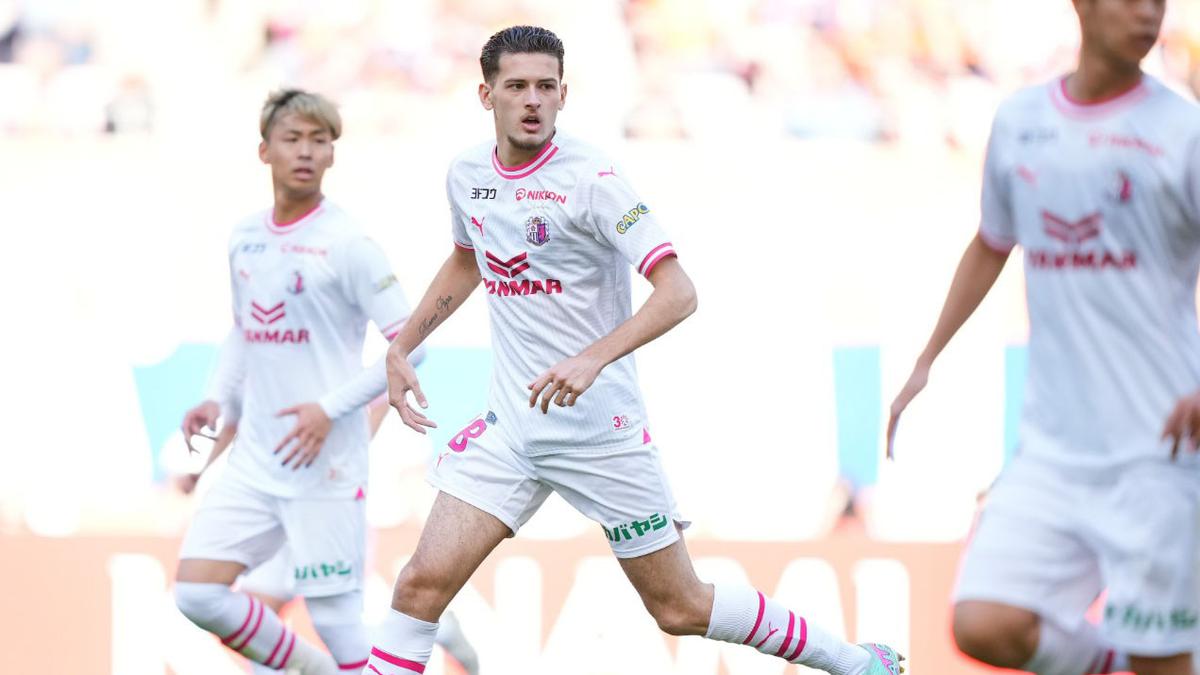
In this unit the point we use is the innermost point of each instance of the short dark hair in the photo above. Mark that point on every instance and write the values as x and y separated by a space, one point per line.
519 40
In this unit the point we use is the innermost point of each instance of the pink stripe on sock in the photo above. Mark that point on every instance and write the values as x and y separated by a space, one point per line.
800 641
257 625
249 615
353 666
1108 662
762 606
282 637
288 654
788 639
397 661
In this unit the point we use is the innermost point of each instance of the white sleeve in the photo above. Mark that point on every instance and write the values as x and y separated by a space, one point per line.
617 215
225 386
1192 183
368 282
996 226
458 219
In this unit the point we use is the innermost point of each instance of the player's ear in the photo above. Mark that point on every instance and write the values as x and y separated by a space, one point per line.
562 96
485 95
332 153
262 152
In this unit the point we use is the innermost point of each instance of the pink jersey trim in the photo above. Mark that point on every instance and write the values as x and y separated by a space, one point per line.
762 606
392 325
995 243
249 615
291 225
464 247
654 256
353 666
526 169
1072 107
654 263
397 661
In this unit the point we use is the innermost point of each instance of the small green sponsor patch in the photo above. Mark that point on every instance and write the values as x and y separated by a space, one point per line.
1142 620
635 529
324 570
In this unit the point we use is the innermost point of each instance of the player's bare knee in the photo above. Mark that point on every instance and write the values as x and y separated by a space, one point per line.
679 615
420 591
994 634
1180 664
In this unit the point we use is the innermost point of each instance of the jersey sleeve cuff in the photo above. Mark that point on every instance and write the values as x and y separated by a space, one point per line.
994 242
655 256
465 247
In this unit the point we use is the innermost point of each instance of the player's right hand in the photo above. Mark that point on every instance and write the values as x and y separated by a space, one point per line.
402 378
1183 425
187 482
916 382
196 419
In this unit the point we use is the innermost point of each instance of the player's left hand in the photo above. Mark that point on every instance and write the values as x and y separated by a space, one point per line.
1184 423
565 382
312 426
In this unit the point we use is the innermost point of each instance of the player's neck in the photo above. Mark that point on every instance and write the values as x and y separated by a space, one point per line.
1098 78
290 208
511 155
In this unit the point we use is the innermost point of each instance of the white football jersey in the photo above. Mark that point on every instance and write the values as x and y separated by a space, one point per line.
1105 201
302 295
555 239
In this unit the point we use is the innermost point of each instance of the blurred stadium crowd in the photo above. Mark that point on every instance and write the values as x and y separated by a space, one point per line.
873 70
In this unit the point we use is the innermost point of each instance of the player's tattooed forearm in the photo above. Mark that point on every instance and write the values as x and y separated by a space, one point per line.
443 304
427 325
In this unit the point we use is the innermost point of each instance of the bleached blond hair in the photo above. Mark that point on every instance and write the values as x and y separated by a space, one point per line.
306 104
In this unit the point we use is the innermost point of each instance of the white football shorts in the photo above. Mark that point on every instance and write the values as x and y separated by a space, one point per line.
624 490
326 537
1049 542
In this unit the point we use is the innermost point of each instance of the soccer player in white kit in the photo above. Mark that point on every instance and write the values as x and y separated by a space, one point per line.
273 582
1097 177
550 227
305 283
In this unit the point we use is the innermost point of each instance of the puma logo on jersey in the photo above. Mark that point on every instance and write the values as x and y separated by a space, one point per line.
478 223
610 172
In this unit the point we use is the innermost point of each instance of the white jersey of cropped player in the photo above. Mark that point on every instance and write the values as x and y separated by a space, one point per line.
1103 197
555 240
1105 201
303 293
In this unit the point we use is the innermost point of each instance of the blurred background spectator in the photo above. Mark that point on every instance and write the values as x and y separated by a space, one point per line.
880 71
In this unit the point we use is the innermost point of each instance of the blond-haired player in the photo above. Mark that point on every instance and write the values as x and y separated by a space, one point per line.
305 282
